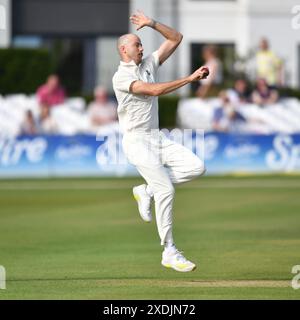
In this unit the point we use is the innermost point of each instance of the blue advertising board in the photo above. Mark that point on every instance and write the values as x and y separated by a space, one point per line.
232 153
84 155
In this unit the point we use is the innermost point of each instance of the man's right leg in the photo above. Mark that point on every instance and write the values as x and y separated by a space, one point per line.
158 180
143 196
143 153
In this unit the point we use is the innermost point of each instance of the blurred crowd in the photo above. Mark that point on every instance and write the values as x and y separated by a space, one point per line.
51 111
262 91
268 67
101 111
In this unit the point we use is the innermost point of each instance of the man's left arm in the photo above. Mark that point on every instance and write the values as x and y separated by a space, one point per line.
173 37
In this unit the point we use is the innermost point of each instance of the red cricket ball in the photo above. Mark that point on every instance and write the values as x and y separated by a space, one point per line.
206 71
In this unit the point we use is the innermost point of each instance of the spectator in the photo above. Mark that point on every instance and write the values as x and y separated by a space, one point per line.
28 125
51 93
225 117
47 125
240 93
264 94
101 111
214 65
268 65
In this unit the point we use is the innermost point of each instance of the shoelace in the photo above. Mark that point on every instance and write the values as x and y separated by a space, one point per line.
180 257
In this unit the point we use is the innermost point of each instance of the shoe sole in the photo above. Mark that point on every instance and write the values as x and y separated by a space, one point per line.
169 266
137 199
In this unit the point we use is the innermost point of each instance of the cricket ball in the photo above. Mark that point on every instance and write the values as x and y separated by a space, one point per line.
205 72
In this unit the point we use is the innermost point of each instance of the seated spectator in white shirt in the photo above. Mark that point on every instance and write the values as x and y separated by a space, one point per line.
263 94
101 111
240 93
29 125
47 125
226 118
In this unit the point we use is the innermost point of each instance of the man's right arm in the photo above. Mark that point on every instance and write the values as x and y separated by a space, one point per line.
158 89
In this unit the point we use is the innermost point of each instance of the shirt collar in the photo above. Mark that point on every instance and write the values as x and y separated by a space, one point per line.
128 64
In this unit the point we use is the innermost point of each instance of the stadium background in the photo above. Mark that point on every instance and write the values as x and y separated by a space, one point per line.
60 235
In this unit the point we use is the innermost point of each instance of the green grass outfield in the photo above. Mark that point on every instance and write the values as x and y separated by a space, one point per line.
84 239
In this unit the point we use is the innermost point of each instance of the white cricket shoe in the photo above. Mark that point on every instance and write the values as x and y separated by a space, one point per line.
172 258
144 202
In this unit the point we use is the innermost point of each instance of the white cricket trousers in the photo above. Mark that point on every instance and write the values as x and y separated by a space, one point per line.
162 163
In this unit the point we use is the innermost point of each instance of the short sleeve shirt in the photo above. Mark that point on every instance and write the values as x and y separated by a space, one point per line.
267 66
136 112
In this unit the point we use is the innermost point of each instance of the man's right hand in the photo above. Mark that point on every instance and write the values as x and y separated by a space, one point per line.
199 74
140 20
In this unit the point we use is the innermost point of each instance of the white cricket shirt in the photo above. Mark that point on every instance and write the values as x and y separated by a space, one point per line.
136 112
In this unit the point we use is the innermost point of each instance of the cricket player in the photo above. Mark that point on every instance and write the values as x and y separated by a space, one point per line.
160 161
